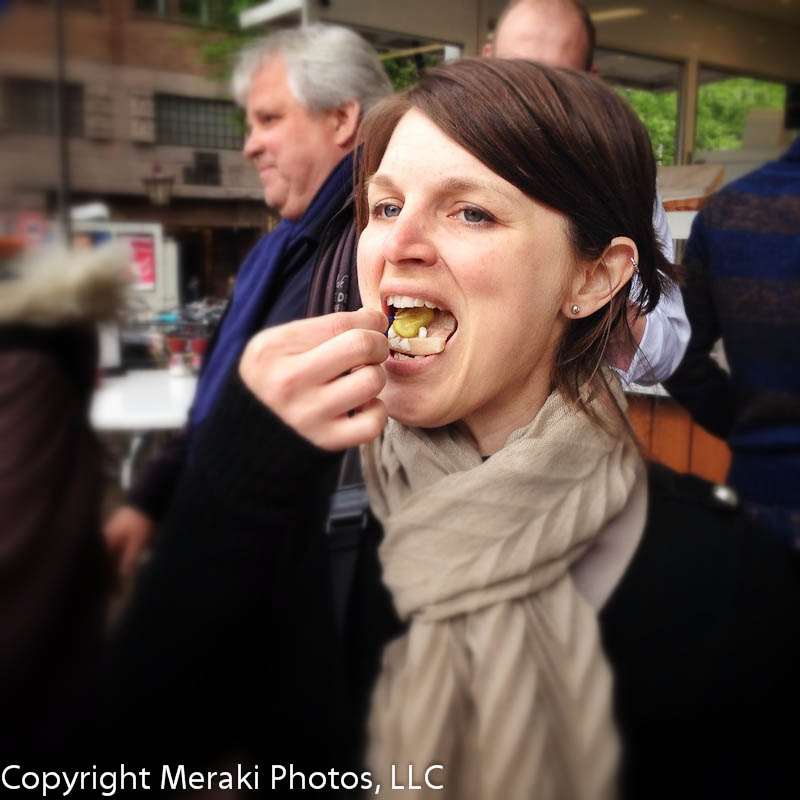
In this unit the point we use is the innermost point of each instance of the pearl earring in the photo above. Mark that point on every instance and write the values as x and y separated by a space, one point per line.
576 309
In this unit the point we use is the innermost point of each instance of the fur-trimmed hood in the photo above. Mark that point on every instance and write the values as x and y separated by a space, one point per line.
57 287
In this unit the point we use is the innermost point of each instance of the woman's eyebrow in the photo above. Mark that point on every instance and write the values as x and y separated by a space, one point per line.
381 181
459 185
447 186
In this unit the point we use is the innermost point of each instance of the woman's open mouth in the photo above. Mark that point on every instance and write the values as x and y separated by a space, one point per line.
420 327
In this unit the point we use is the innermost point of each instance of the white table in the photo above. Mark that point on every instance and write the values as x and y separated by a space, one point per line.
146 399
140 402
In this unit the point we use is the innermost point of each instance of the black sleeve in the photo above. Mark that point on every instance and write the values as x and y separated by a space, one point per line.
157 478
237 596
249 457
700 384
701 633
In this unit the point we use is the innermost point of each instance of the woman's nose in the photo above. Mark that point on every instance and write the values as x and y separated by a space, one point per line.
410 240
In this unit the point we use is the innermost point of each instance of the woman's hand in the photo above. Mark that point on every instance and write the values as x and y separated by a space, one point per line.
322 376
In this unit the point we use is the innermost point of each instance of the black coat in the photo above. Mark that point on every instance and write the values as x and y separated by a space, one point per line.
53 569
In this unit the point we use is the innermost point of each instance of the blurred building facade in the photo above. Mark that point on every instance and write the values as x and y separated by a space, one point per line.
139 102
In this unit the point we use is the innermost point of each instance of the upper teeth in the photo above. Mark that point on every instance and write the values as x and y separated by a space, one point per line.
405 301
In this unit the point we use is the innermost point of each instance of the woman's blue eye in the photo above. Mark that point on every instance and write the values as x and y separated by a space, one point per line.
388 210
474 215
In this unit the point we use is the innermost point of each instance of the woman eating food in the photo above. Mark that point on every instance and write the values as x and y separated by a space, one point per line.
562 621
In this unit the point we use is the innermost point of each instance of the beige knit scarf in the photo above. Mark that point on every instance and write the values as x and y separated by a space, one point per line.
500 678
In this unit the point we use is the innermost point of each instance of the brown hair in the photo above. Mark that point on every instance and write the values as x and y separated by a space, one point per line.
568 142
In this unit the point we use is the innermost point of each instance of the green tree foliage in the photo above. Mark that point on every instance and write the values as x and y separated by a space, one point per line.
659 113
404 71
722 109
219 42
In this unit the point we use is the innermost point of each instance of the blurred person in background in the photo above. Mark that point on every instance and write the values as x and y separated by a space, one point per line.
53 569
742 265
541 590
223 616
304 91
560 33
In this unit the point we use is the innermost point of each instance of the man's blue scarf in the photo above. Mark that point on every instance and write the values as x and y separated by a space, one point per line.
256 278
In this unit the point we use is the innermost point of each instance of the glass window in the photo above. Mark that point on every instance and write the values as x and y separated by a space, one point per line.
205 171
196 122
88 4
740 121
194 9
650 85
31 108
151 6
197 10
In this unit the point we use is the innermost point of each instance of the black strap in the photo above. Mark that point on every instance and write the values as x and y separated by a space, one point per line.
334 287
348 519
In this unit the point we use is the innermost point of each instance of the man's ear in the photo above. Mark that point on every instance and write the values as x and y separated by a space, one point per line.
344 123
487 50
596 282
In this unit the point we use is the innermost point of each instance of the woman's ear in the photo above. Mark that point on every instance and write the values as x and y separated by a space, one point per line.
344 123
596 282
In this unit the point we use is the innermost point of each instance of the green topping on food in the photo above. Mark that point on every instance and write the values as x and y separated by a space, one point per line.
408 321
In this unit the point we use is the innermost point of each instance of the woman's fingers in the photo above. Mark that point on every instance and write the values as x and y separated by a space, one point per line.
312 372
354 429
303 335
347 351
337 398
281 375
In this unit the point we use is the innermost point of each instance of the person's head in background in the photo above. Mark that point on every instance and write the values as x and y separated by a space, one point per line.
304 91
558 33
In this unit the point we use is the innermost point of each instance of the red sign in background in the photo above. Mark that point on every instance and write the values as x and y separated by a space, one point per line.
143 260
